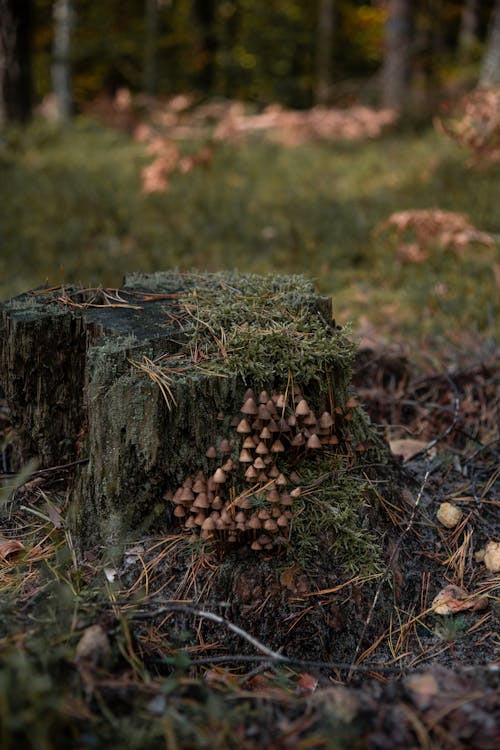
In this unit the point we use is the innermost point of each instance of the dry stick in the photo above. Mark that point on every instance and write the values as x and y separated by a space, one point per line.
173 607
395 551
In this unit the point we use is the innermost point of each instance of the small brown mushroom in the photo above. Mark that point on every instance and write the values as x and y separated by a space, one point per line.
208 524
199 486
286 499
281 480
282 521
273 496
219 476
249 407
187 494
225 446
179 511
265 433
325 421
296 492
262 449
297 440
228 465
277 446
243 427
248 443
254 522
217 502
211 452
313 442
264 412
256 546
259 463
201 501
245 457
251 474
263 397
302 408
270 525
273 472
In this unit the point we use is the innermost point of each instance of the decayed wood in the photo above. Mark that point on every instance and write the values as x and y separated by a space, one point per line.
66 359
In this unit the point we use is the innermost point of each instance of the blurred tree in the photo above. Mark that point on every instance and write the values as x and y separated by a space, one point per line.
64 14
397 69
15 60
490 68
324 48
149 73
468 36
205 18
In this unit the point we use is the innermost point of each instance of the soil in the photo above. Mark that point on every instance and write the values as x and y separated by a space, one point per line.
176 658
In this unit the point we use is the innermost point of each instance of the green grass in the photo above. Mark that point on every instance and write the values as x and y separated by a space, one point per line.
71 210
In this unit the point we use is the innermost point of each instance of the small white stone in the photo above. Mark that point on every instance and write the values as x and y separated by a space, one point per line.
449 515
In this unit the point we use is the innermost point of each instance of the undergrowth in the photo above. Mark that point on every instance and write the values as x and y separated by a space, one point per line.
261 207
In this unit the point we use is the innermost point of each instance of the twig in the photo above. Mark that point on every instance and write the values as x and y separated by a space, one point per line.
175 607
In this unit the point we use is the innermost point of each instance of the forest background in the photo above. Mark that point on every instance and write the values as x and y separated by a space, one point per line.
135 152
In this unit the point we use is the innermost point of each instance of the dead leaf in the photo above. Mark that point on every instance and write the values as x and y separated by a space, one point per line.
287 576
454 599
306 683
407 448
10 547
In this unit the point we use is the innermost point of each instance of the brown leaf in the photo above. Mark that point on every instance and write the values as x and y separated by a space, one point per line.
454 599
407 448
10 547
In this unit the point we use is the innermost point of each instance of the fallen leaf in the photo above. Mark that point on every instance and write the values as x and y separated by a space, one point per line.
306 683
9 547
407 448
454 599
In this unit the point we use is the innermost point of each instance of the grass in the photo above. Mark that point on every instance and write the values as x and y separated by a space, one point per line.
72 211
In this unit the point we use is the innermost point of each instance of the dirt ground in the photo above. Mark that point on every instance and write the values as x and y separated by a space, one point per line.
152 652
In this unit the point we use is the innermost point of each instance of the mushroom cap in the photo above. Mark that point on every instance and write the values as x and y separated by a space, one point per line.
249 406
297 440
211 452
302 408
208 524
286 499
186 494
277 446
325 421
219 476
179 511
251 473
225 446
259 463
263 397
217 502
264 539
199 486
282 521
281 480
240 517
262 449
228 465
281 401
248 443
265 433
296 492
245 457
264 412
254 522
313 442
201 501
273 472
273 496
243 427
199 518
256 546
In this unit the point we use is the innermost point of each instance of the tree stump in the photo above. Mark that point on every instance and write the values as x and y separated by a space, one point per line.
217 406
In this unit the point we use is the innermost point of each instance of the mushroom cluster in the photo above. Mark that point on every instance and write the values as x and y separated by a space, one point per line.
249 497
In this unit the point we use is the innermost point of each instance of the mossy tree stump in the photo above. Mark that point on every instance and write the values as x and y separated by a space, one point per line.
216 403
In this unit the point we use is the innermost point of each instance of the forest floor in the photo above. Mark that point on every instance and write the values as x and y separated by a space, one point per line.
90 659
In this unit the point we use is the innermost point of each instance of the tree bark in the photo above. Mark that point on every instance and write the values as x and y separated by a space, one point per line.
64 15
149 75
325 34
468 29
397 66
490 68
16 89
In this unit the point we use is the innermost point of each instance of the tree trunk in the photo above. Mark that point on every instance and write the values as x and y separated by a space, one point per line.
276 487
325 35
16 89
205 14
490 69
63 11
468 29
149 76
397 66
